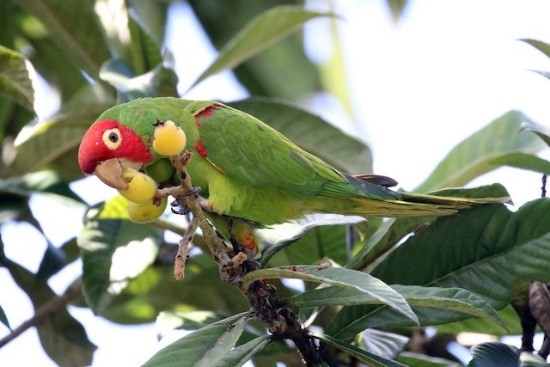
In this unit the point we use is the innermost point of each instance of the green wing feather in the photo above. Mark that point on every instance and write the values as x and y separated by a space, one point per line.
251 152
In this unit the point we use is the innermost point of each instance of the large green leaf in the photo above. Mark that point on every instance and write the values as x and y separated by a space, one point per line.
113 252
243 353
486 250
63 337
311 133
496 145
340 277
15 81
392 231
358 353
263 31
74 27
488 242
205 347
455 299
270 73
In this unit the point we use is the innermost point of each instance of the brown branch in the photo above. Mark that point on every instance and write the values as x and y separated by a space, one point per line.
45 311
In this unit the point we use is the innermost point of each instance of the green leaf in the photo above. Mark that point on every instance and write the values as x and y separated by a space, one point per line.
360 354
238 356
311 133
15 80
204 347
455 299
487 250
159 82
113 252
494 354
339 277
397 7
151 17
74 28
483 326
4 318
422 360
383 343
260 33
42 144
54 259
486 150
388 235
63 338
539 45
542 131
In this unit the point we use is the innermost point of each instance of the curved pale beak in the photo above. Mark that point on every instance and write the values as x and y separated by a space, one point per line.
110 172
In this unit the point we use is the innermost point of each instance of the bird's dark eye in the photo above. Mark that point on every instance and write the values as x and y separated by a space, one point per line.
112 138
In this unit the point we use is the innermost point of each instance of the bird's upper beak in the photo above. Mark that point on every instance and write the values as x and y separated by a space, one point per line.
110 172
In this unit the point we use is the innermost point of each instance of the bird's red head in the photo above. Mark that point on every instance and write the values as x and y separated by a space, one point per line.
109 139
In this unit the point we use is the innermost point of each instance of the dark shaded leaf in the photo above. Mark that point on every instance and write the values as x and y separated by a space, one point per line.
4 319
74 28
487 249
494 354
15 81
54 259
389 233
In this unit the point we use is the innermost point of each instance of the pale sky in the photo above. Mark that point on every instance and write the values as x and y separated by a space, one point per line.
419 87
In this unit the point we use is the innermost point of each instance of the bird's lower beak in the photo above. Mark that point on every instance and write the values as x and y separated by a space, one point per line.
110 172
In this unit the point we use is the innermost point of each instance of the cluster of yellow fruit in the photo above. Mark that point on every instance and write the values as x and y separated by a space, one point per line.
143 205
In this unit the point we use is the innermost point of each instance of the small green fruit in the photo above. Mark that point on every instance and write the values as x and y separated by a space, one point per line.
143 213
141 188
160 171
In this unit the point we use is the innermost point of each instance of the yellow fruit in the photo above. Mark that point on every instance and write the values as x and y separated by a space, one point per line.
160 171
143 213
169 139
141 188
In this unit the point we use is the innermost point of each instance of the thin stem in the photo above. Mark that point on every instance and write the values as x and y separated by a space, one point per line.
45 311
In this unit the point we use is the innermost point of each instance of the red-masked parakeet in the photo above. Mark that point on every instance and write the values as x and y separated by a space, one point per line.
244 168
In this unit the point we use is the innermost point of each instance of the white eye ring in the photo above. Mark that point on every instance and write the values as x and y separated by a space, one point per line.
112 138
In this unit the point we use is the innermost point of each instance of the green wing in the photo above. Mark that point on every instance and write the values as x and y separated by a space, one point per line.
251 152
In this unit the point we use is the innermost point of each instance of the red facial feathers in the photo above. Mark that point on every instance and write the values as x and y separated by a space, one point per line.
108 139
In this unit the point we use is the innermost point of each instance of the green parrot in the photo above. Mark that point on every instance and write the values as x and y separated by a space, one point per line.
244 168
